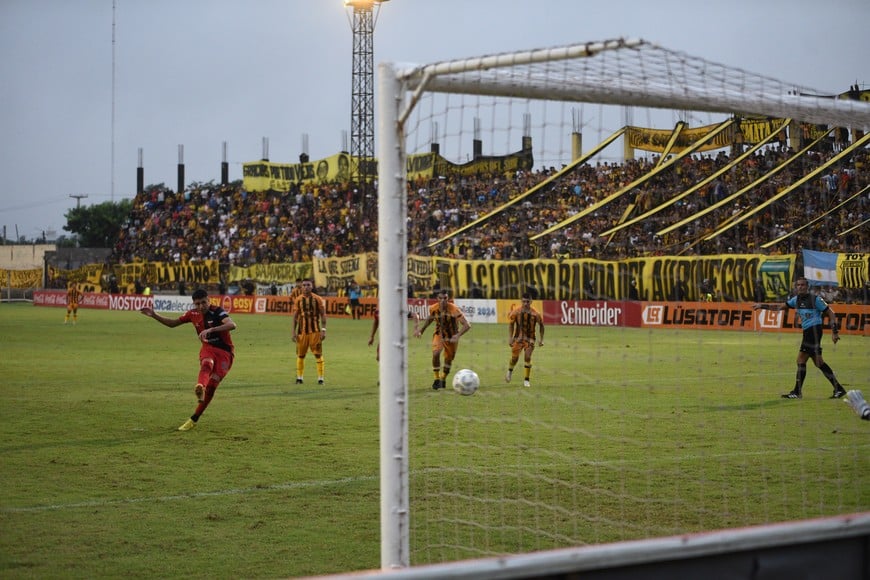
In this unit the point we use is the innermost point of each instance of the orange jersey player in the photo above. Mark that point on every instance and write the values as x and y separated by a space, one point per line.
309 329
523 322
450 325
73 296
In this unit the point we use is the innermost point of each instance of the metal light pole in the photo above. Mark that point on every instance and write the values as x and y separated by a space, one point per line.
362 118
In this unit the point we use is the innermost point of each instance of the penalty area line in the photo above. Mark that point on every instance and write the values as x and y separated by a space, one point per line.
185 496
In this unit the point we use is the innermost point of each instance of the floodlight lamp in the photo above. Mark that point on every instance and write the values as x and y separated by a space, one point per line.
362 4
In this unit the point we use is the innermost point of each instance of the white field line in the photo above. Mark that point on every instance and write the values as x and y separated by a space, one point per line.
340 481
185 496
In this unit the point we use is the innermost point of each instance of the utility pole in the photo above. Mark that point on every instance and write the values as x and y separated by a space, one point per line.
78 197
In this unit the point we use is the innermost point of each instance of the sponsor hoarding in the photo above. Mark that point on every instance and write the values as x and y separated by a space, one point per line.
852 318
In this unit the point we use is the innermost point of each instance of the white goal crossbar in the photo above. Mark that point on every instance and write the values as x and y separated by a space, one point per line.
670 79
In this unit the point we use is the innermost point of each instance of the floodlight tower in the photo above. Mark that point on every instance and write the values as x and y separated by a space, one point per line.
362 114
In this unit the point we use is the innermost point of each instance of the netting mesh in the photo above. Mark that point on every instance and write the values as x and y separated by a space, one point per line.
625 433
638 73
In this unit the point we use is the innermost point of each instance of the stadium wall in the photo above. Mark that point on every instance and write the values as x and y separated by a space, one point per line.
21 257
854 319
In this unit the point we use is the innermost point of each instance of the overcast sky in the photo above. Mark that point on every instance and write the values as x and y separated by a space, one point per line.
202 72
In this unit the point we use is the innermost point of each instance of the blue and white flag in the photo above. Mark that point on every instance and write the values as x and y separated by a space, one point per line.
820 268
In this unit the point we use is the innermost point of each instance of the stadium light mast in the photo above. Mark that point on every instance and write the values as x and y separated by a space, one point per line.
362 115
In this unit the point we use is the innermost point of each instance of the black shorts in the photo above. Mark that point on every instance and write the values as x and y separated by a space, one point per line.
812 340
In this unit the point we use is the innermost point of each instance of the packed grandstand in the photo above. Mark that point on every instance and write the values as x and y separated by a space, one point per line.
230 224
764 196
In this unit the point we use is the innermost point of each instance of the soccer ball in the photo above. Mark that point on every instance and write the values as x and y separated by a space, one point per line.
466 382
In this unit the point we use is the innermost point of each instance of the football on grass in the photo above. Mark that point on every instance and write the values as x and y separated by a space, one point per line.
466 382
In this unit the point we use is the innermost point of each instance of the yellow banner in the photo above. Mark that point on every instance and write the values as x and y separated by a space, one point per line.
266 176
421 165
160 273
853 270
521 160
21 278
731 277
657 140
89 277
751 131
268 273
757 130
335 274
421 275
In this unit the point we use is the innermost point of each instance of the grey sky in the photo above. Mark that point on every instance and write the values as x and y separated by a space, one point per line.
201 72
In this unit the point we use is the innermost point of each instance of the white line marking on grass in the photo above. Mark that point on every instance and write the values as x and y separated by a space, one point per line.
217 493
675 459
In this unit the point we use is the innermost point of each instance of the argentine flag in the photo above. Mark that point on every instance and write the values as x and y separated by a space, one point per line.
820 268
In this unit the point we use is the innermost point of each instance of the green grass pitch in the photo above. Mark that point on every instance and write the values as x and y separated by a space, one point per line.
625 434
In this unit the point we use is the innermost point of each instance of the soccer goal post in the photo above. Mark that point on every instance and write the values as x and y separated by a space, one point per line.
440 128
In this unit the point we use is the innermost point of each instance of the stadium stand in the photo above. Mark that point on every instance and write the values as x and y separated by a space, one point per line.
225 222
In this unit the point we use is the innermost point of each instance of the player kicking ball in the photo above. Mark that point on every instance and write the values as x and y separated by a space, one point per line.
213 326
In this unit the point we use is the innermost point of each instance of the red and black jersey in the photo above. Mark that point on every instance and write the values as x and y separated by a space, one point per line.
214 316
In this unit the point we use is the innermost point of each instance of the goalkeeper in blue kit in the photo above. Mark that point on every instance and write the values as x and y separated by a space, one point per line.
811 309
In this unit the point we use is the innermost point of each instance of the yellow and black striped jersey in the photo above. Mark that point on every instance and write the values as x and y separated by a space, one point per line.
524 323
308 311
447 322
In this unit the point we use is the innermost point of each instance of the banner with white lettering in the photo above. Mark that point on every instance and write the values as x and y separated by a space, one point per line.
334 274
478 311
731 277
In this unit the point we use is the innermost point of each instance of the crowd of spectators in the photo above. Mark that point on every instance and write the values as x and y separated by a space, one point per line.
227 223
235 226
436 211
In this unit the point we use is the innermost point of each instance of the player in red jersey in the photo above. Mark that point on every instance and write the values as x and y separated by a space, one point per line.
213 326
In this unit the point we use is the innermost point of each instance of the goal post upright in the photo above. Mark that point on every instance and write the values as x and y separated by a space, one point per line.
393 309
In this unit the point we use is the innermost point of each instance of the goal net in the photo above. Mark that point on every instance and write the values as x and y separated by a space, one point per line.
513 173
